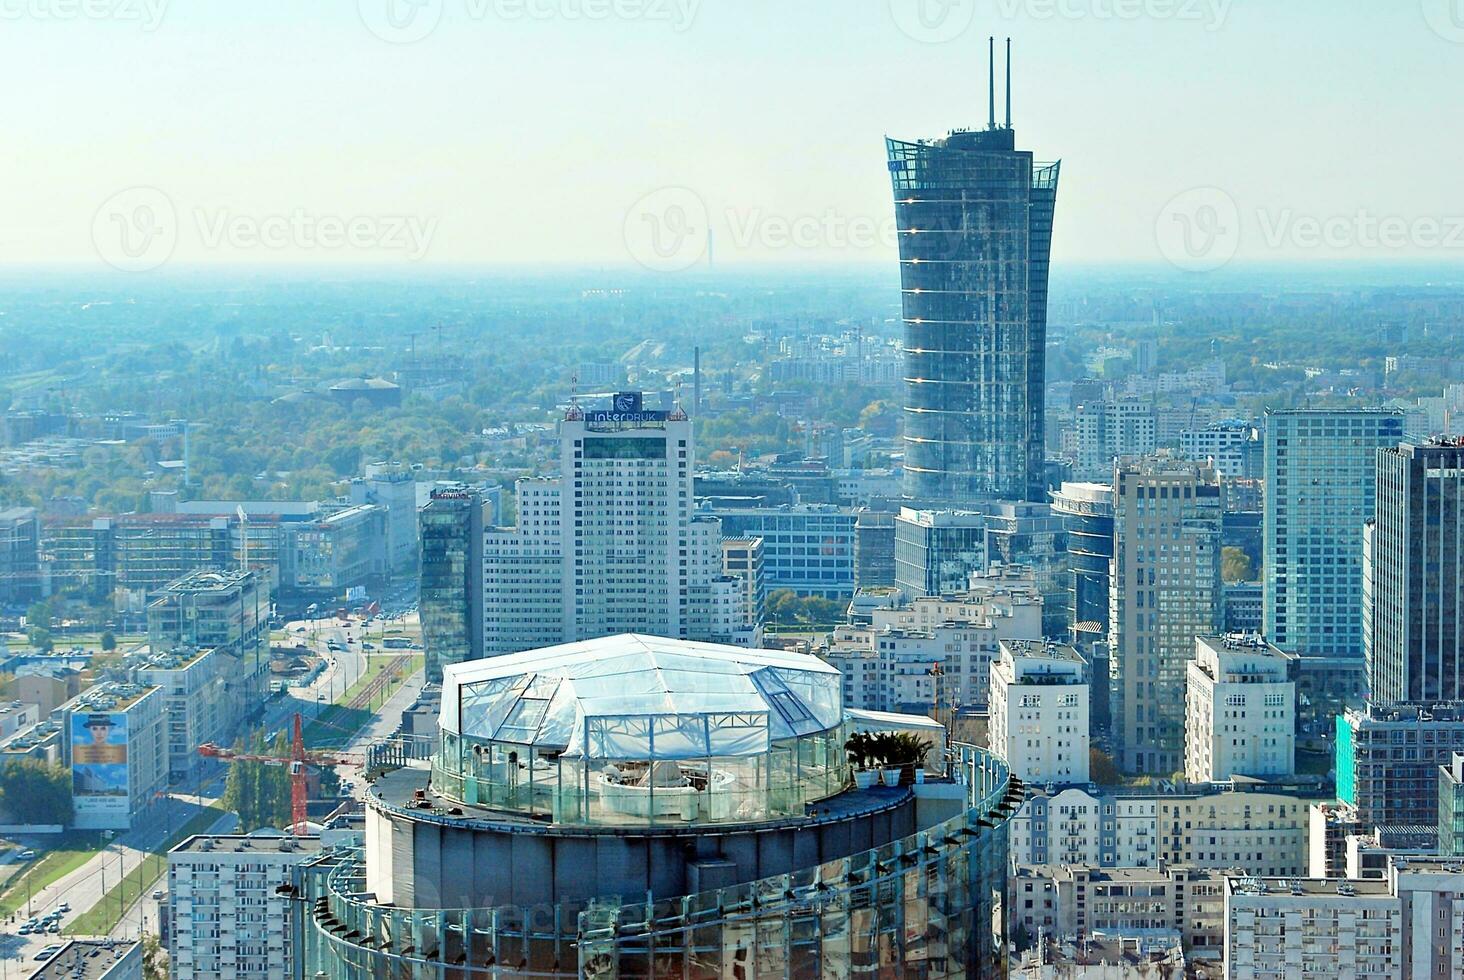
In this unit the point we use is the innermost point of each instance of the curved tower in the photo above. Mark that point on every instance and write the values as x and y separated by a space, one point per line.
974 216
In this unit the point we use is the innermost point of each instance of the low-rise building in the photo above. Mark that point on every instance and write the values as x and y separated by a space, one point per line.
1039 711
229 920
116 746
1240 711
93 959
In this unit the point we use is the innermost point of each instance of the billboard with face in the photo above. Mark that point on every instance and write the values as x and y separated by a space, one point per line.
99 765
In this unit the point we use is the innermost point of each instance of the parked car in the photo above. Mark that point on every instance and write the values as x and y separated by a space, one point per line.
27 855
48 952
54 928
157 894
64 907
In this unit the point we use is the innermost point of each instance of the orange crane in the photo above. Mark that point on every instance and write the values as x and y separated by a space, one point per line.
298 760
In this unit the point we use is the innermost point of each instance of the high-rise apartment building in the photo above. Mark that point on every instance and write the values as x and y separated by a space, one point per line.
451 577
394 489
974 216
1165 591
1388 759
230 916
116 741
1240 711
1104 430
1413 574
1321 477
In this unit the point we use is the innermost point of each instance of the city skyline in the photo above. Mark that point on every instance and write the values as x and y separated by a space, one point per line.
418 159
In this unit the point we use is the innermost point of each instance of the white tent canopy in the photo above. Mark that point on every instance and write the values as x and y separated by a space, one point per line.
642 697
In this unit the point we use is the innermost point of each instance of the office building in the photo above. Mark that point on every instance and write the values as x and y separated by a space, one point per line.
1321 482
570 781
224 611
1032 536
324 558
117 747
203 700
1039 711
393 488
1240 711
20 561
807 548
451 575
1388 759
93 959
1413 577
612 545
1245 605
1407 924
874 549
1086 510
1165 591
974 216
230 918
936 551
1451 807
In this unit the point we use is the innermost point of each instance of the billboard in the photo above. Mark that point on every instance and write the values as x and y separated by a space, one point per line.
99 786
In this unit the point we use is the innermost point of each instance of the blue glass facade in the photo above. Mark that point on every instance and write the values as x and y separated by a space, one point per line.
974 216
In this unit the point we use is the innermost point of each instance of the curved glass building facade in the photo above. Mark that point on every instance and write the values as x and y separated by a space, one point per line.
857 883
1087 515
974 216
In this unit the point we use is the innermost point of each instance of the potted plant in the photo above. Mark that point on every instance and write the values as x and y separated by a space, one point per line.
907 753
883 749
859 748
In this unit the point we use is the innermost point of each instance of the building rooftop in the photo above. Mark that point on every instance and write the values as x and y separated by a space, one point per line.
85 959
1335 887
110 696
256 843
206 581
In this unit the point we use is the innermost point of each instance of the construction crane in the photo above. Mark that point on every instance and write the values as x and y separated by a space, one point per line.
298 759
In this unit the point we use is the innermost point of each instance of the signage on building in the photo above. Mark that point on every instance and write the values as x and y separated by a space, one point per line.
99 788
627 407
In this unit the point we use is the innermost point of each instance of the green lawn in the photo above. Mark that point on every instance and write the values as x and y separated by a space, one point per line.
75 850
102 918
337 724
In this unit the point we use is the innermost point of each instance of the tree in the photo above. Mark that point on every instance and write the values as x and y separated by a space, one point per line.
35 793
40 638
1101 768
1235 565
154 958
109 641
260 793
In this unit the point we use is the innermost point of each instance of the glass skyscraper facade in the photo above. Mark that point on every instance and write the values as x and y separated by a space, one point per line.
451 595
1321 475
974 216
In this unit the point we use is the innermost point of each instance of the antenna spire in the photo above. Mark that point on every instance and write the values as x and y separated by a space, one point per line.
1009 84
991 79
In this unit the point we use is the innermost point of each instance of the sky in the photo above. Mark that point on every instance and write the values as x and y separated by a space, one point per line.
143 134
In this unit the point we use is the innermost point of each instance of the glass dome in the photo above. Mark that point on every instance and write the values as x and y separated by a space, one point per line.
638 729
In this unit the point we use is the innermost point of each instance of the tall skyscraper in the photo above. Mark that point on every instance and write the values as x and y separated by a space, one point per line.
1321 475
974 216
1414 570
1165 591
611 545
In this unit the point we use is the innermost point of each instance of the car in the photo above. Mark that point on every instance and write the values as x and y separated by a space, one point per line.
368 646
157 894
64 907
48 952
299 629
54 928
26 929
27 855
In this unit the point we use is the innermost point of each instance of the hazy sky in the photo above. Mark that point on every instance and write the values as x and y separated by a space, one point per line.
577 131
